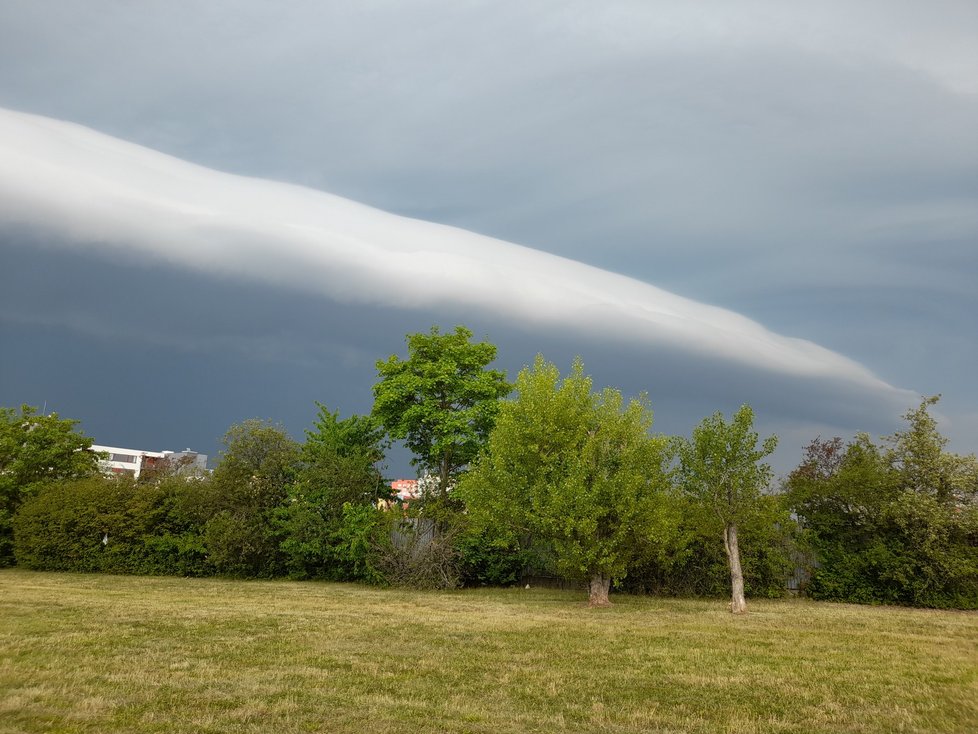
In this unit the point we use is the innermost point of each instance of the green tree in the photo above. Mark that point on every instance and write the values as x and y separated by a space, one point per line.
575 469
342 457
340 475
34 450
441 401
925 467
259 463
720 466
688 561
892 524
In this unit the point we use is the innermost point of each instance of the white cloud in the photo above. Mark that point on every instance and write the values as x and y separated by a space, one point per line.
93 191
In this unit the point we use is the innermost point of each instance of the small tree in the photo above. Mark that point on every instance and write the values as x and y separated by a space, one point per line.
720 466
573 468
35 449
259 463
340 476
342 458
919 455
442 400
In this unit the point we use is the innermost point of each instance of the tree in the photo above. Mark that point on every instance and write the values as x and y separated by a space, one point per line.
442 400
34 450
574 468
259 463
720 466
340 476
342 457
924 466
896 523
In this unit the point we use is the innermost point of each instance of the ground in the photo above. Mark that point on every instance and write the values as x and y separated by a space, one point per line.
89 653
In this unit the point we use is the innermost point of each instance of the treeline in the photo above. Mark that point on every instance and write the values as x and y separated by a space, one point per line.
544 477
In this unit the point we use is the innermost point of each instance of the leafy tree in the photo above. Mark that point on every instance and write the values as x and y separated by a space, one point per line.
35 449
923 464
893 524
574 468
687 560
340 475
341 459
259 463
442 400
720 466
839 490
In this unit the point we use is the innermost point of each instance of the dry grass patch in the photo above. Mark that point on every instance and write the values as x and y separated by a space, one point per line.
121 654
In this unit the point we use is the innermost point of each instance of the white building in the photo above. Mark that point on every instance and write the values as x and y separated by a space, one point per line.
135 461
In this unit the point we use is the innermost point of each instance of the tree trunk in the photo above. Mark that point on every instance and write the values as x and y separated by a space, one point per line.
738 605
598 591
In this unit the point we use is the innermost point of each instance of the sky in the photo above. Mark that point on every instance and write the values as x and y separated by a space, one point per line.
212 212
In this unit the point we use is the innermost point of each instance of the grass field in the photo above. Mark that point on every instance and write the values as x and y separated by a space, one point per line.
126 654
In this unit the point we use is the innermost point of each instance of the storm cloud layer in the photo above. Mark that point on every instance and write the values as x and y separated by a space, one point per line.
811 170
75 185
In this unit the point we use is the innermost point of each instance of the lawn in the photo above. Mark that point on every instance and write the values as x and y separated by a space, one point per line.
103 654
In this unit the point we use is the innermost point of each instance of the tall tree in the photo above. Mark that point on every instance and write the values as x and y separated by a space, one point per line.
720 466
442 400
35 449
574 468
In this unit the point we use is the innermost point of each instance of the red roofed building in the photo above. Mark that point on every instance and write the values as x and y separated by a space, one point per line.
405 489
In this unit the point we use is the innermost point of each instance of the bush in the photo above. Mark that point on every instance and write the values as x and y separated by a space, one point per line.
914 551
415 553
242 544
354 544
487 561
110 525
892 526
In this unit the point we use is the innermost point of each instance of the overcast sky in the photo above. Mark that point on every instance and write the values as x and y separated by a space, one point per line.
717 203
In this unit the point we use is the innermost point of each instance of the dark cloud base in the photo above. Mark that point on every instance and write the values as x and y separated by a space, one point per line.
153 357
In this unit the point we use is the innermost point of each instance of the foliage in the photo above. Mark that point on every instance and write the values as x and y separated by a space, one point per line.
690 562
487 558
575 468
339 480
893 524
339 550
721 469
569 481
112 525
721 466
924 467
35 449
257 467
355 544
415 553
341 460
442 400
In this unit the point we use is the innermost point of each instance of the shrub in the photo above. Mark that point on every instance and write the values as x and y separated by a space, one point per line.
111 525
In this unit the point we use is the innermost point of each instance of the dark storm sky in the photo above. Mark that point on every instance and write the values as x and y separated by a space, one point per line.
813 169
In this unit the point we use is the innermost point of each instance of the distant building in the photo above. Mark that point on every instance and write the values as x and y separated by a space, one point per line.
405 489
135 462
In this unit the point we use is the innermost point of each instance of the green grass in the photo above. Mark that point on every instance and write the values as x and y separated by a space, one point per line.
123 654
